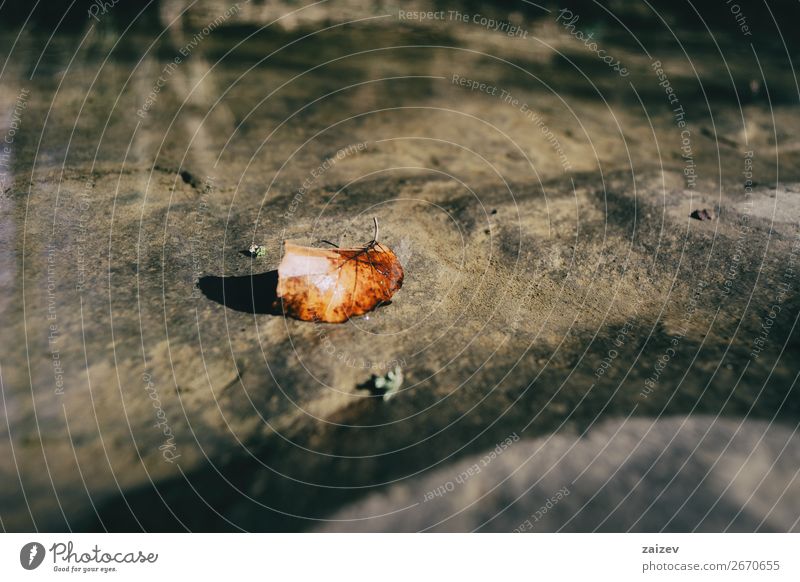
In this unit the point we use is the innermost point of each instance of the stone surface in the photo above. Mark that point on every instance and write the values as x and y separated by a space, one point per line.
714 475
554 279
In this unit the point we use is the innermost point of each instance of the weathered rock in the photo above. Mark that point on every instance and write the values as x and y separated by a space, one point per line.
552 277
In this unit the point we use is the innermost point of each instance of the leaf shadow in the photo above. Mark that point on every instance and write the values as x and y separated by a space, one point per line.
249 293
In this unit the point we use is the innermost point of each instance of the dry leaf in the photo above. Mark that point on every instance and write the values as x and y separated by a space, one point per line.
333 285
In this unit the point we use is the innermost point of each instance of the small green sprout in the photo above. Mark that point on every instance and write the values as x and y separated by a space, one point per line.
390 383
257 251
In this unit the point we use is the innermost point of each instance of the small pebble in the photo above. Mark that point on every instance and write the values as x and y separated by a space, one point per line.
703 214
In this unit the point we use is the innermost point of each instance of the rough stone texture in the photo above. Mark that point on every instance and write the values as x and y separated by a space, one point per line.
715 475
520 274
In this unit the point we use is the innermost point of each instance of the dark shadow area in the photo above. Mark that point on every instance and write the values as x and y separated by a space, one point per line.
250 293
74 17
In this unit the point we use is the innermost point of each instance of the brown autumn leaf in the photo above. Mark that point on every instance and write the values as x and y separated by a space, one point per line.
333 285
